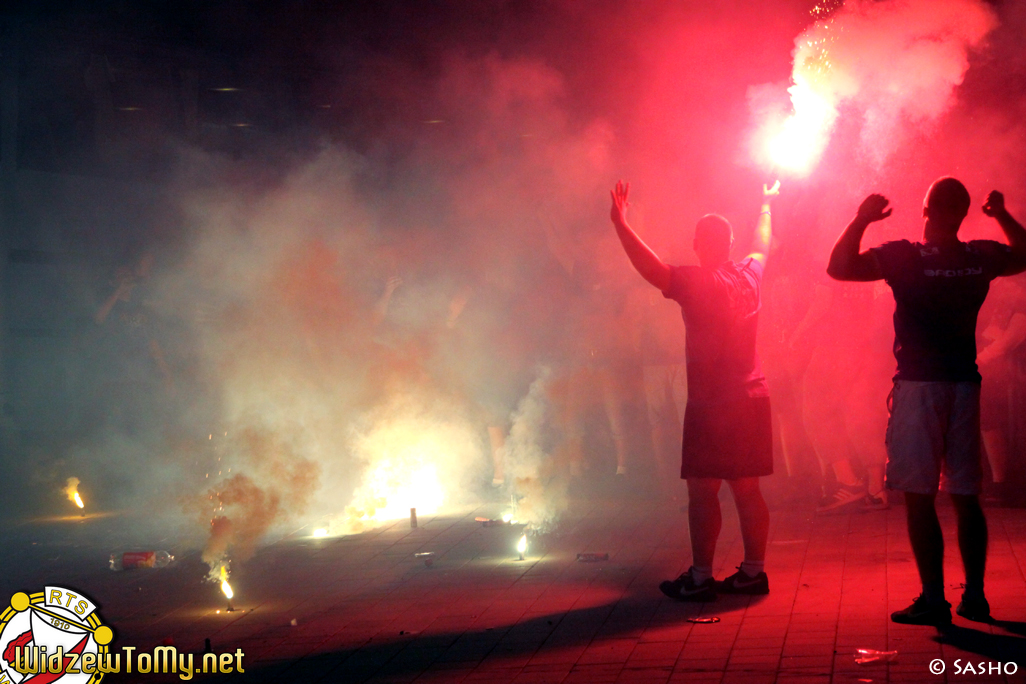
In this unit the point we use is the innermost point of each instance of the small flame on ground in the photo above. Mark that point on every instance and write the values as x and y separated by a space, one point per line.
320 532
71 491
522 545
507 517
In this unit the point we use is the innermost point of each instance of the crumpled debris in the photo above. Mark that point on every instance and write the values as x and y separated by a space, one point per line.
865 656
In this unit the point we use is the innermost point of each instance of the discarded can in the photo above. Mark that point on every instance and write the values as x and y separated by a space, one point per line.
704 620
134 560
413 518
592 557
864 656
427 556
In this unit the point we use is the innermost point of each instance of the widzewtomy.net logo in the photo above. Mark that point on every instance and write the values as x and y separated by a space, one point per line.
56 636
53 635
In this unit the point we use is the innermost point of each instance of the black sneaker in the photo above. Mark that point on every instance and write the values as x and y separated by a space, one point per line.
684 589
977 610
844 495
741 583
923 613
876 502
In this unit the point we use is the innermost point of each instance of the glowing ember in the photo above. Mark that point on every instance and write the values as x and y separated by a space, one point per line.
71 491
320 532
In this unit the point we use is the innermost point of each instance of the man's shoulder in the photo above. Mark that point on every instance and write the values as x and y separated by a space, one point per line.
751 263
988 247
898 246
894 252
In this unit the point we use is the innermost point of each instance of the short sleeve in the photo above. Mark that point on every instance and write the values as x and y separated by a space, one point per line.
996 256
891 256
679 281
753 266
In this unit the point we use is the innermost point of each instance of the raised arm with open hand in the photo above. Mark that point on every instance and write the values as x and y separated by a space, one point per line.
644 260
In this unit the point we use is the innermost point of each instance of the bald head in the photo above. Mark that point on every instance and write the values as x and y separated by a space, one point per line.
713 238
946 204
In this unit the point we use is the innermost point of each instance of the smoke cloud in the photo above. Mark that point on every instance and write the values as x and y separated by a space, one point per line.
335 315
894 64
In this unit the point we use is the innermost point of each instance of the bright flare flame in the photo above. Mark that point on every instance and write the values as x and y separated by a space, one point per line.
225 587
800 140
320 532
71 491
416 456
398 491
522 545
507 517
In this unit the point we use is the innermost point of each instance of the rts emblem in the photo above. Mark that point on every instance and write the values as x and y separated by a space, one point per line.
49 636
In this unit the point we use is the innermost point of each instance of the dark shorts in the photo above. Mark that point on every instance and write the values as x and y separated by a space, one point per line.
728 441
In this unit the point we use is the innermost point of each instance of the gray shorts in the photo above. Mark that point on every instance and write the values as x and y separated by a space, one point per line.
933 438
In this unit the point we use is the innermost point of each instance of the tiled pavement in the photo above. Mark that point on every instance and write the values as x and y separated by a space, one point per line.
363 608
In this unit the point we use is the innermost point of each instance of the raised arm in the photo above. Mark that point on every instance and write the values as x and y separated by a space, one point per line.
763 229
644 260
995 208
846 262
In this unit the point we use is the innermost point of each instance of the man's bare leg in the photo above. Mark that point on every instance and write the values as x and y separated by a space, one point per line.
972 542
753 514
704 519
927 540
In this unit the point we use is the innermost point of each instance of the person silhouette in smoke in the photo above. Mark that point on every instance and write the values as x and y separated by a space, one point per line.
933 435
727 425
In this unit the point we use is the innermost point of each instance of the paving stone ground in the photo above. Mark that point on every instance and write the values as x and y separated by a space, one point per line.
364 608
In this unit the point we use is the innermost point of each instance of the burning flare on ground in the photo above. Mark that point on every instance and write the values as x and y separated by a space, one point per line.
416 458
225 587
522 546
71 491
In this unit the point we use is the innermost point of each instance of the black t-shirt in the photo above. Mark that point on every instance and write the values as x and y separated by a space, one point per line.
721 310
938 292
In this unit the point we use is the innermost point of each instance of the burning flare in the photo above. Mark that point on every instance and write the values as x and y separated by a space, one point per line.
800 140
71 491
893 64
522 546
225 587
